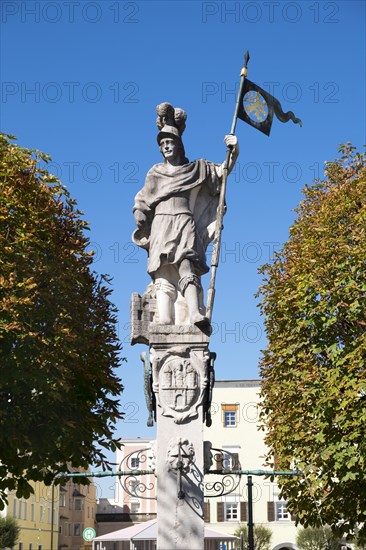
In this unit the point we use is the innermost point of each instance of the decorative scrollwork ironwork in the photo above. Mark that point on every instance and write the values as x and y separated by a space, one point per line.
226 485
131 468
228 466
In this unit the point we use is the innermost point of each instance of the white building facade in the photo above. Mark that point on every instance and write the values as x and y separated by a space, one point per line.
235 422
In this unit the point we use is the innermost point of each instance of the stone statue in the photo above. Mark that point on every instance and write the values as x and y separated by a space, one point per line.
175 214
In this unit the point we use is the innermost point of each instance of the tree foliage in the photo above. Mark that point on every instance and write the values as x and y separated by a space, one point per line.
262 537
58 343
314 378
9 532
317 538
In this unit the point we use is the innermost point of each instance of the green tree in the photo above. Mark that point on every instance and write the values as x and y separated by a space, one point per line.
262 537
9 532
314 377
360 545
58 344
317 538
359 542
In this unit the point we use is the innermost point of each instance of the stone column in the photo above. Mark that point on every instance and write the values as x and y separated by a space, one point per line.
180 372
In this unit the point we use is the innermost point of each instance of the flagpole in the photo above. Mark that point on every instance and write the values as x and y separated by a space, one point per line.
221 207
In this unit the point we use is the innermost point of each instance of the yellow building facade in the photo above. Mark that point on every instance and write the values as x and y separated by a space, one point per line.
74 509
77 509
35 516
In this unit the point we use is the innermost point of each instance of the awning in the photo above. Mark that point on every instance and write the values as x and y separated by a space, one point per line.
148 530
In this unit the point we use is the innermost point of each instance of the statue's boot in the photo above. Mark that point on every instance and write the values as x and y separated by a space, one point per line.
190 287
202 322
165 297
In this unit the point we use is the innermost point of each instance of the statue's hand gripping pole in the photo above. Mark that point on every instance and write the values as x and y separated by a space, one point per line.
221 207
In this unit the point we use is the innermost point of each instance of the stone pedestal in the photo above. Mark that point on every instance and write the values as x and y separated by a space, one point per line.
180 372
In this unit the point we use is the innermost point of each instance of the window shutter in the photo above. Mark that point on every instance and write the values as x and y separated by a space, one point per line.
271 511
220 512
235 465
243 511
207 512
219 457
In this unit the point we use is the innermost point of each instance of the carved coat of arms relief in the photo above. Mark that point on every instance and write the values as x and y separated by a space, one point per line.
180 379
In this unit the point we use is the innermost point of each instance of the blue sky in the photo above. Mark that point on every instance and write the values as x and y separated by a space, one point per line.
81 80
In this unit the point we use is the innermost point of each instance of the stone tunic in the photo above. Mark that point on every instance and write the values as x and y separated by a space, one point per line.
180 209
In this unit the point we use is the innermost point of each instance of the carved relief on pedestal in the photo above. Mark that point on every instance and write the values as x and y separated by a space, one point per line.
180 378
143 313
180 459
180 455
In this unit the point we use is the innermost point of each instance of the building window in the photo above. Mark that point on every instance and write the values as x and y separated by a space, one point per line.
62 500
230 418
135 507
135 463
231 511
41 513
32 511
281 511
230 415
15 508
227 461
77 529
20 510
78 504
20 546
25 509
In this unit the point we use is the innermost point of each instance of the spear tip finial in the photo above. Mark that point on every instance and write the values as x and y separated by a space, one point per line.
246 58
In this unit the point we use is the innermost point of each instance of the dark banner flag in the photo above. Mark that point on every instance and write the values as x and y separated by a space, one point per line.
256 107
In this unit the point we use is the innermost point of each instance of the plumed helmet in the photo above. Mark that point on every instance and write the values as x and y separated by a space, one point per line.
171 122
168 131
